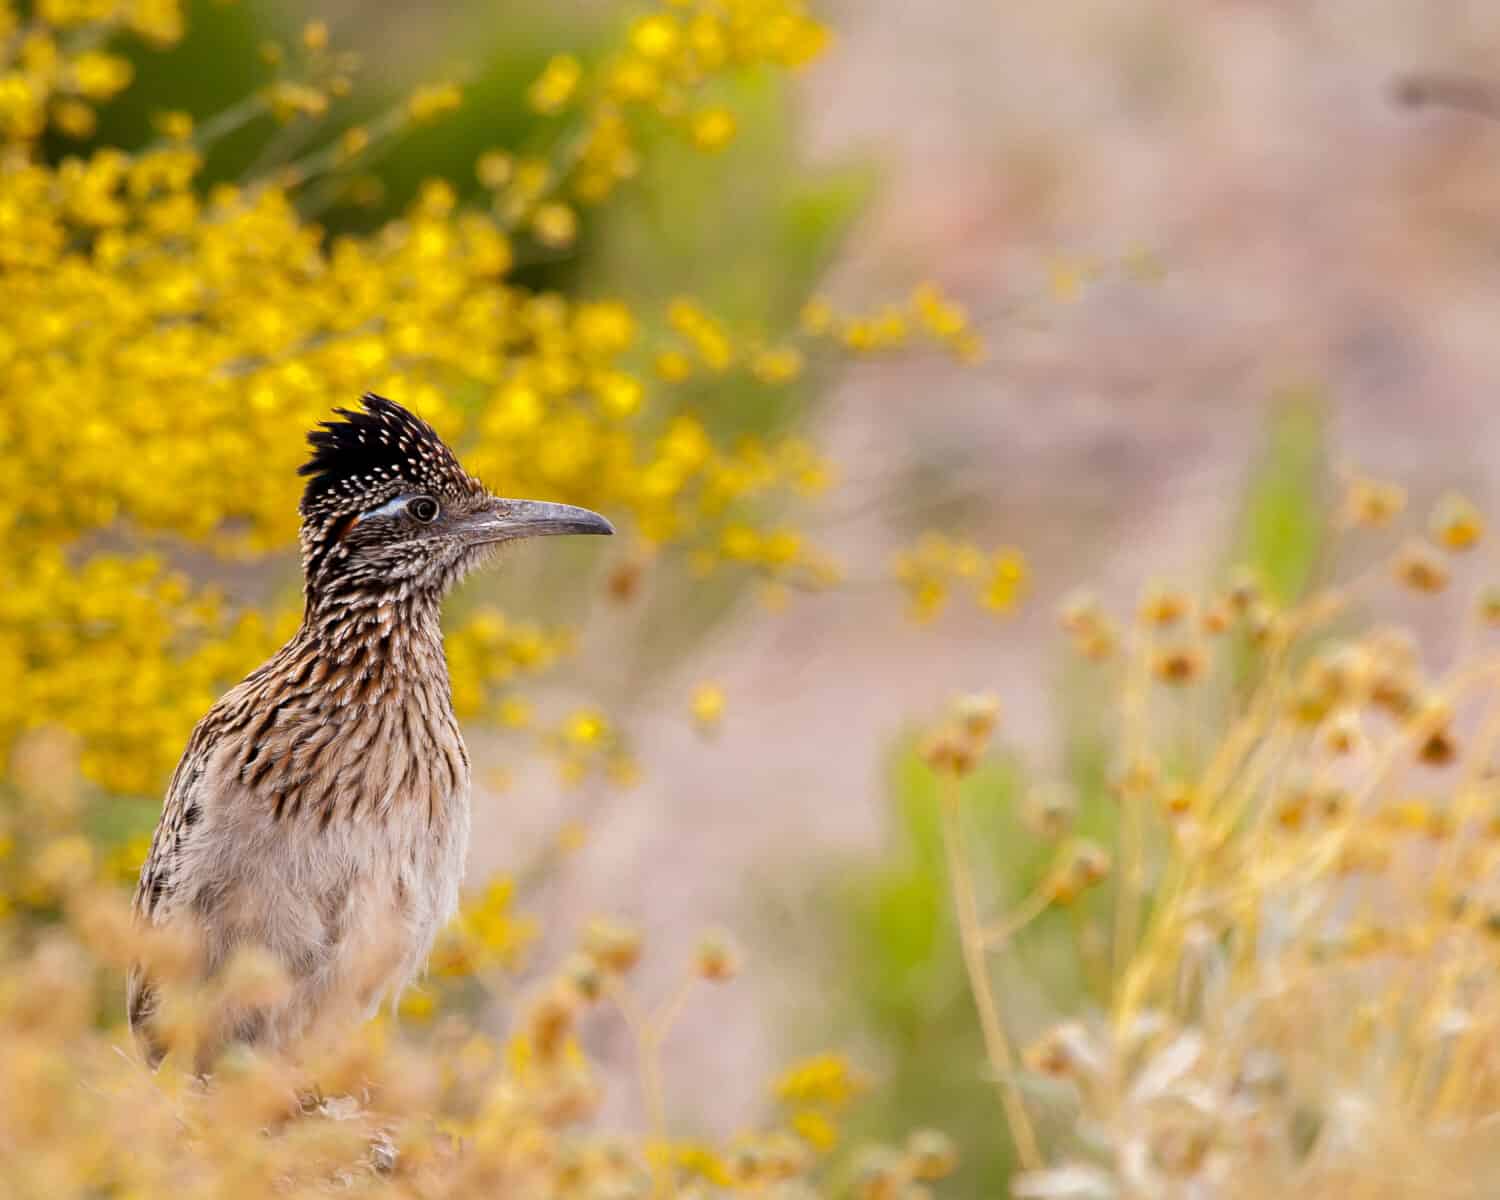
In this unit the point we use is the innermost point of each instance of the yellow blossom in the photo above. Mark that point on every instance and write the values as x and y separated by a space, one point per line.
429 103
713 128
708 706
556 85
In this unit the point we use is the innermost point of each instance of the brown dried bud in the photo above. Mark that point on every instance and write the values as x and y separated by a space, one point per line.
931 1154
1439 749
1079 612
1342 734
1177 799
1217 619
948 752
1099 643
624 582
1421 567
1456 523
1244 590
550 1021
1092 863
1138 775
716 959
582 974
1179 665
616 948
1164 606
977 715
1372 503
1048 810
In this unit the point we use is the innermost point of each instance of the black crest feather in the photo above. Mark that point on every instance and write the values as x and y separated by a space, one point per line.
371 455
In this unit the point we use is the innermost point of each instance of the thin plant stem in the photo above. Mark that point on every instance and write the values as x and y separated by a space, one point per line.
972 938
999 934
653 1092
1132 833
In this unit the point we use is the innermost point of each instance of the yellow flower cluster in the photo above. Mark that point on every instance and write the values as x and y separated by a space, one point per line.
163 347
671 56
929 314
930 570
55 71
486 935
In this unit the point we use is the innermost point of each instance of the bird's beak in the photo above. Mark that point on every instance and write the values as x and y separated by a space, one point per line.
504 520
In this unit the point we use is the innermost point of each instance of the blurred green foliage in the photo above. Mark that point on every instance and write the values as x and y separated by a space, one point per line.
1283 521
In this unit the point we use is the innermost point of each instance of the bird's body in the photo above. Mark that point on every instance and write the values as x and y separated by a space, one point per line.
320 813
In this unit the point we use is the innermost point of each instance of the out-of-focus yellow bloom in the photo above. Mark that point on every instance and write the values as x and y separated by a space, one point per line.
930 570
656 37
555 225
315 35
433 101
708 706
713 128
556 85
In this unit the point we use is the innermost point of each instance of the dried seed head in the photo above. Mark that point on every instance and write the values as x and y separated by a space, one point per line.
748 1164
1291 808
1079 612
624 582
785 1156
1099 643
1091 862
1456 523
1262 625
1165 606
1439 748
1179 665
615 948
878 1174
1049 809
1419 566
977 715
582 974
1137 775
1372 503
550 1021
932 1155
1397 691
716 959
1334 802
1342 734
1244 590
1177 799
1065 1052
1217 619
948 752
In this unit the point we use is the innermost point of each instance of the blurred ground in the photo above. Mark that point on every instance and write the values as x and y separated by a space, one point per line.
1311 231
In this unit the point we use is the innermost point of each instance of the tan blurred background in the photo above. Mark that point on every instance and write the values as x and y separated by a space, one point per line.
1312 240
1312 233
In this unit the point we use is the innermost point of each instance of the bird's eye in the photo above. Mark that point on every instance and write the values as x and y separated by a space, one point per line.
424 508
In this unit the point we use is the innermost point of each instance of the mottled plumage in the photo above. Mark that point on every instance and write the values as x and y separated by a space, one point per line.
321 809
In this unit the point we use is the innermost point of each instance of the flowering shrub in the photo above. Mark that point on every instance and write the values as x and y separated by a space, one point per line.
163 347
1296 967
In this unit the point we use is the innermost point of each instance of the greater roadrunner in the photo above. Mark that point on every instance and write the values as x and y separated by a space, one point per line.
320 811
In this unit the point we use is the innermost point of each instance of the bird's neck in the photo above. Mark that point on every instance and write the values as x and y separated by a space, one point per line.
395 635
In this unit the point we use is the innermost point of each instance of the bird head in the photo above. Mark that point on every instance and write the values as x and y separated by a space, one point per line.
388 508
